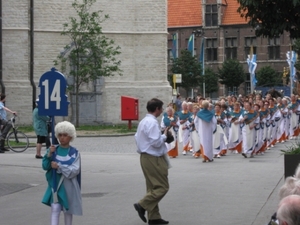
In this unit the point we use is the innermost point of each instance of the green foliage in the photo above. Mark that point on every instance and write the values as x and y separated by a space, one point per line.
211 81
91 54
231 73
296 48
271 18
190 69
267 76
294 149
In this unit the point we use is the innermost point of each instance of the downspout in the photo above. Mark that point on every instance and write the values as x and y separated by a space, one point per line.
31 70
1 59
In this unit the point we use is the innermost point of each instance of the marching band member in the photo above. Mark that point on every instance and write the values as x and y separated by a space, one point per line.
293 117
235 132
281 134
190 109
262 137
256 130
220 146
183 132
170 120
195 141
247 123
273 122
205 124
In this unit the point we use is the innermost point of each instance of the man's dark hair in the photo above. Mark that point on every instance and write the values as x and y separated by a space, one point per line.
2 97
153 104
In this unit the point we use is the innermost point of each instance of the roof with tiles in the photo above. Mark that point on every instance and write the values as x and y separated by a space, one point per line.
231 16
185 13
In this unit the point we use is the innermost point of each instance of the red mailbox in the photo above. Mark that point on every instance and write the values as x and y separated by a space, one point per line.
129 109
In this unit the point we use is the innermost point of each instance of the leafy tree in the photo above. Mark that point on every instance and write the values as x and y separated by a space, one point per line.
267 76
91 54
271 18
211 81
189 68
231 73
296 47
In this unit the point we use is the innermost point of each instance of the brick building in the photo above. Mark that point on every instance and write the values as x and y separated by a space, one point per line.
228 36
31 40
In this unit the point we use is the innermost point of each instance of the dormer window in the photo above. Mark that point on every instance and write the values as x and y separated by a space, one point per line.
211 15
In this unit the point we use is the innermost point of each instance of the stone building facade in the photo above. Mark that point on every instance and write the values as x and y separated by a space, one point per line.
138 27
227 35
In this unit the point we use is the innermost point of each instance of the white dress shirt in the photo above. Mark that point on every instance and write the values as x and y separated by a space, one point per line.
149 138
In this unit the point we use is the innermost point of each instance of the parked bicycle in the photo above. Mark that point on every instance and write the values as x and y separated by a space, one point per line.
16 140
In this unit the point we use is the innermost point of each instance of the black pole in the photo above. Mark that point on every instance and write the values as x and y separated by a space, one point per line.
1 60
31 70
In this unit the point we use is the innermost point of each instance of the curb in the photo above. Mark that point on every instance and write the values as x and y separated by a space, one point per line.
96 135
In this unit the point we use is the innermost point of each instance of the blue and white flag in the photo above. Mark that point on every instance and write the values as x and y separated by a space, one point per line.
191 44
174 45
251 61
202 55
291 60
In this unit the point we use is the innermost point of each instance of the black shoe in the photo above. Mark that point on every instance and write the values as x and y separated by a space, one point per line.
141 211
243 154
159 221
38 156
2 151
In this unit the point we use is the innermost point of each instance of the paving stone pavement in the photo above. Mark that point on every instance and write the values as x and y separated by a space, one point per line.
231 190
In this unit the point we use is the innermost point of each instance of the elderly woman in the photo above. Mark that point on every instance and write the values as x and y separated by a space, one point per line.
205 124
290 187
170 120
184 117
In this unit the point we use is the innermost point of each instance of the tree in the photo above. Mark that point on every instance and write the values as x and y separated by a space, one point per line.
271 18
91 54
211 81
267 76
296 47
231 73
189 68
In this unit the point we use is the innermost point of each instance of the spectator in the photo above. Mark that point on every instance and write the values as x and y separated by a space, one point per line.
6 125
288 212
178 103
41 130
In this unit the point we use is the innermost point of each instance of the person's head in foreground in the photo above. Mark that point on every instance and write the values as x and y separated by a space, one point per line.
65 132
288 212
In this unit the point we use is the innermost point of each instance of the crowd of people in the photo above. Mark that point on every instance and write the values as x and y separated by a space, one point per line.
246 125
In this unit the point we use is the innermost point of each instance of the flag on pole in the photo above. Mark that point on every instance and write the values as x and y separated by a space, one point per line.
202 52
291 60
174 46
251 61
191 43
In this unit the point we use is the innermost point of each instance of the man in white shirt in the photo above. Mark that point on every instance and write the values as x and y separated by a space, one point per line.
151 146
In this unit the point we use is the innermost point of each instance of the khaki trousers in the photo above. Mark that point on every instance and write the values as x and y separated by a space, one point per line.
155 171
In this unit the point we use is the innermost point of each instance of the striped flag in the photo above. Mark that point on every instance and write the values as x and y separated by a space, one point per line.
174 45
191 44
251 61
202 54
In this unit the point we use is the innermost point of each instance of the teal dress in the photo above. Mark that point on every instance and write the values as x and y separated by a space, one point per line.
40 123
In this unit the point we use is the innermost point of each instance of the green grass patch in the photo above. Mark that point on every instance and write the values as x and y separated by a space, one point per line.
117 128
121 128
25 129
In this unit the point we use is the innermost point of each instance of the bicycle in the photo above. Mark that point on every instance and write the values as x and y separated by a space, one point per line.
16 140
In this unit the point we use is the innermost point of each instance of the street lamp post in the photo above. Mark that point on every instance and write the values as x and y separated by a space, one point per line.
200 33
